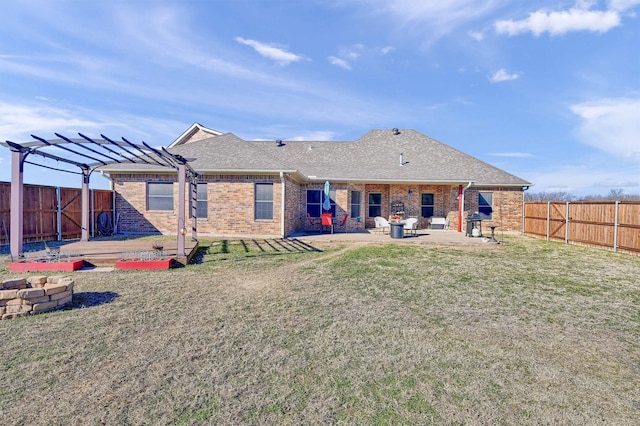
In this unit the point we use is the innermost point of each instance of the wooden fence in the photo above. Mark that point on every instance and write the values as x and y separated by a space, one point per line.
52 213
614 225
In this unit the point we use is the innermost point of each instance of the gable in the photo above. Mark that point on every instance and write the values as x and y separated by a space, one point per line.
196 132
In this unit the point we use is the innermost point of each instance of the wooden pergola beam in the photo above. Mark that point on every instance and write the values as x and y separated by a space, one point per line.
148 155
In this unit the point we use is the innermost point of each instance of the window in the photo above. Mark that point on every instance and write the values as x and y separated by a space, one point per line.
315 197
485 205
201 200
264 201
314 202
159 196
356 197
426 205
375 204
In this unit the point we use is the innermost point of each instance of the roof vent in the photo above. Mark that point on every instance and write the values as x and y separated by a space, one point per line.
280 143
395 131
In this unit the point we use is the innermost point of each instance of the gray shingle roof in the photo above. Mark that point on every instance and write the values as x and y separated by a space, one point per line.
375 157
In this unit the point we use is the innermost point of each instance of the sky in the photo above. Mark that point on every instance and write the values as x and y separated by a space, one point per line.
546 90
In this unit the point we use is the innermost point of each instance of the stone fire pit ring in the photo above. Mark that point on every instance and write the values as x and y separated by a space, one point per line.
33 295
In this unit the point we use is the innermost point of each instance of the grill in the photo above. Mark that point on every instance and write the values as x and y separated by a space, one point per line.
474 225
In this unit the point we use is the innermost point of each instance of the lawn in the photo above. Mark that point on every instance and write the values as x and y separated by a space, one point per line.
266 332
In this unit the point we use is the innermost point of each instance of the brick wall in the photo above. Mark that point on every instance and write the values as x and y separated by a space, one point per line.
230 205
507 208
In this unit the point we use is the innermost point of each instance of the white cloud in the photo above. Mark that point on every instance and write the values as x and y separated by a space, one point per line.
622 5
557 23
611 125
271 51
21 120
428 20
334 60
502 75
386 50
476 35
582 179
352 53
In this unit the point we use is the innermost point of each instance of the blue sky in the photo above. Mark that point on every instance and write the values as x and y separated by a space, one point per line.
547 90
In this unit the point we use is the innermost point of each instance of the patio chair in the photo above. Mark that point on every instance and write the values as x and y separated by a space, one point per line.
411 226
439 223
313 223
327 220
343 223
381 223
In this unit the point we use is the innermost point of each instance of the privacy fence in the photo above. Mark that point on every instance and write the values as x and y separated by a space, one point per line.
614 225
53 213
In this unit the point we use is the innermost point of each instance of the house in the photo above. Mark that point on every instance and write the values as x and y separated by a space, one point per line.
269 188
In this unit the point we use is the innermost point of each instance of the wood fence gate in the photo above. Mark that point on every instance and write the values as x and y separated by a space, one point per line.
53 213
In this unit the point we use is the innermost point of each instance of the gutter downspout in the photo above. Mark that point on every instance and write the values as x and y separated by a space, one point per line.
461 192
112 188
282 203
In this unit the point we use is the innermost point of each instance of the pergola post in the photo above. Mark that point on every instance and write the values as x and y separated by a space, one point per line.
182 181
85 205
194 209
17 203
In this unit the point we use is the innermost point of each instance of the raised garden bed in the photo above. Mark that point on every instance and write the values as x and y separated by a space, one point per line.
35 265
131 264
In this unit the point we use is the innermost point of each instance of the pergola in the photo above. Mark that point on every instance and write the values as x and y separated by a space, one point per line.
88 154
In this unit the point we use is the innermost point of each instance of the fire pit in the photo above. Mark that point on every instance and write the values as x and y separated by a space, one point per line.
28 296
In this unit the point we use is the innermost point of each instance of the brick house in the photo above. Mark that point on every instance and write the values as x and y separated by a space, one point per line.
269 188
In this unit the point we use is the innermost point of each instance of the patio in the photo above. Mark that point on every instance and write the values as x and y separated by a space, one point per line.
423 236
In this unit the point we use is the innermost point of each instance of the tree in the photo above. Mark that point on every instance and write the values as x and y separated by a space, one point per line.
616 194
549 196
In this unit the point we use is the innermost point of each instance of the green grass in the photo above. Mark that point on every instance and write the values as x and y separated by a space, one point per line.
272 332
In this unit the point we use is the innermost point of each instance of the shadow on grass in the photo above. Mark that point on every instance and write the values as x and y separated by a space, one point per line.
240 249
89 299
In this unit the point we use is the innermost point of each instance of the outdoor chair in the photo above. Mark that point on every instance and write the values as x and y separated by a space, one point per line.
411 226
439 223
381 223
313 223
343 223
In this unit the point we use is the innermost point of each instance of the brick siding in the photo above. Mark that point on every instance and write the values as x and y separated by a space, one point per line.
230 204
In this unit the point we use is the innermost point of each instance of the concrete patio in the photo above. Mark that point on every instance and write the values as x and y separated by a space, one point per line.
423 236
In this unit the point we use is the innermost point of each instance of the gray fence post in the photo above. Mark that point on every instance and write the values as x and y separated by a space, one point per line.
548 219
615 228
59 213
566 225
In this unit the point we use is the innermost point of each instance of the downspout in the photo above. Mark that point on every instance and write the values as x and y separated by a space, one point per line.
461 192
282 203
112 188
524 212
